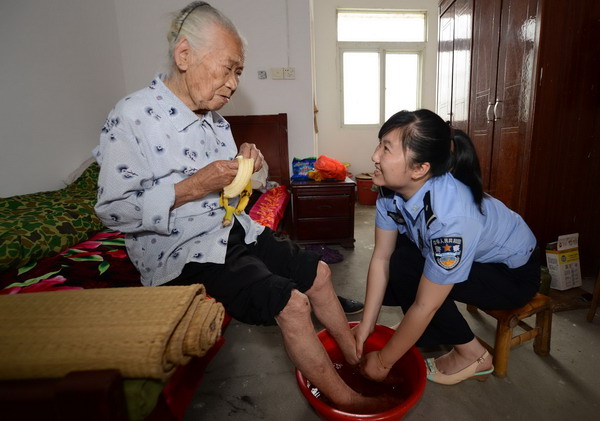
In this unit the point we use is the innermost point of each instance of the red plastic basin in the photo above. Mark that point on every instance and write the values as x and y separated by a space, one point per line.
411 367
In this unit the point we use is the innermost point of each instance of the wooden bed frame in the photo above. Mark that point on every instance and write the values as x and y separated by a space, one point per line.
269 134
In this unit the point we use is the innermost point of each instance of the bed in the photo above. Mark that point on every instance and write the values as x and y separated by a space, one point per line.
52 241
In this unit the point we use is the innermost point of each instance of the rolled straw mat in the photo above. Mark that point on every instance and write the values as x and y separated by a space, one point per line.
141 331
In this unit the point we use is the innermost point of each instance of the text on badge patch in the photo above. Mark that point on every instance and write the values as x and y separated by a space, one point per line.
447 251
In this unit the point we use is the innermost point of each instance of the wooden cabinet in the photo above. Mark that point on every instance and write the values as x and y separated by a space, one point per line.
501 119
323 213
487 56
483 82
533 109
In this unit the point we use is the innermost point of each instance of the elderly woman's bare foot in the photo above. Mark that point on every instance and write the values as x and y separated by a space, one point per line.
369 405
351 357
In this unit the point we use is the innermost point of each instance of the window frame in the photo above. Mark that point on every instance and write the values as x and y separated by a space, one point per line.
381 48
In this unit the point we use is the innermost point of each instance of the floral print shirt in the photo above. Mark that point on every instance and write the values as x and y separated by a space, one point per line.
151 141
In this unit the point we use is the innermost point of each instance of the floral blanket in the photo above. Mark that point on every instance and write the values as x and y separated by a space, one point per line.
99 262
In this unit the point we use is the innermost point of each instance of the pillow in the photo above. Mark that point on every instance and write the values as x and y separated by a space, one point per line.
270 207
87 182
78 171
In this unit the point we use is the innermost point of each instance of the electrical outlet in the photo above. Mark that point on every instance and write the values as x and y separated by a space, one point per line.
289 73
262 74
276 72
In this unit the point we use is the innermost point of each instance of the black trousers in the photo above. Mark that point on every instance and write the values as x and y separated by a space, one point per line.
489 286
256 281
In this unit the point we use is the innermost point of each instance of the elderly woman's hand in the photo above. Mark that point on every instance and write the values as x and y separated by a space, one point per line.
211 178
249 150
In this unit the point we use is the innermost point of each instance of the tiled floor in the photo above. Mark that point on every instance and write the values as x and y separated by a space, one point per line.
251 377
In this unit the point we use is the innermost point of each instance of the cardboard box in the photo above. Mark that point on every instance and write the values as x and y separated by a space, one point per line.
562 257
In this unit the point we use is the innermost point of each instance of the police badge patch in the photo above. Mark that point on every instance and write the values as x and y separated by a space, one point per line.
447 251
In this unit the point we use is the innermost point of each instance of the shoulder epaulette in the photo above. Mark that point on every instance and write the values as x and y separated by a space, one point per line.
397 217
429 214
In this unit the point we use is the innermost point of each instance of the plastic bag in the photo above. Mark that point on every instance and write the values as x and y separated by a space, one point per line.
301 168
328 169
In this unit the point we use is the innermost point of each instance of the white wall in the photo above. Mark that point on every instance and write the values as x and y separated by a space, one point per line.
60 73
278 35
356 145
65 63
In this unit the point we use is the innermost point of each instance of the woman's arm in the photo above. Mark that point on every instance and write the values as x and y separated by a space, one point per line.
430 297
377 279
128 198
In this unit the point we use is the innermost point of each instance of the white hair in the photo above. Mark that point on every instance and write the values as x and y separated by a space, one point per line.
193 23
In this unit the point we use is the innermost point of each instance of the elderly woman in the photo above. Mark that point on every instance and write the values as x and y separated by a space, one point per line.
165 154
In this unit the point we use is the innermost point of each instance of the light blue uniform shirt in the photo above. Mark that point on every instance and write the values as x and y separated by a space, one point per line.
458 234
149 142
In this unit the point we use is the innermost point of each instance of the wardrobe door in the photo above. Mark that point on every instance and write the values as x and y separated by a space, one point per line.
513 107
486 40
461 68
445 63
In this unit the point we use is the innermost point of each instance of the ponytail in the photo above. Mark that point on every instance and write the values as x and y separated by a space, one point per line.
466 166
429 139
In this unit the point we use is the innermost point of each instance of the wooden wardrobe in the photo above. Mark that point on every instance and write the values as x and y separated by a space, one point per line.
522 78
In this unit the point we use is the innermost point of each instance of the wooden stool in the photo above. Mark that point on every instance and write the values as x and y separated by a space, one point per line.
509 319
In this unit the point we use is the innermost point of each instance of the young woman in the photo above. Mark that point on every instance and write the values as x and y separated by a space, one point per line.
439 239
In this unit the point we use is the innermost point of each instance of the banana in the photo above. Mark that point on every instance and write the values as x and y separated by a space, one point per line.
244 198
245 169
228 211
241 185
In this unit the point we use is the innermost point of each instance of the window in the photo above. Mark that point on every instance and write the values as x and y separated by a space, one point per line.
381 60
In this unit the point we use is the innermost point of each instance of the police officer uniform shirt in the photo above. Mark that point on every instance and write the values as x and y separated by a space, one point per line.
445 223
